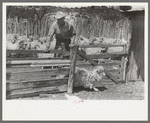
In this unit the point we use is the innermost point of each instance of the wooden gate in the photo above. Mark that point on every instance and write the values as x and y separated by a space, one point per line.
31 76
117 78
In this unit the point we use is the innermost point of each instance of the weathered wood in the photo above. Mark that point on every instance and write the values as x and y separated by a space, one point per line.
99 45
78 63
123 70
18 66
105 56
133 68
36 80
37 62
34 74
22 93
111 76
30 90
14 85
66 53
102 64
10 59
117 62
97 27
135 80
94 63
82 54
36 71
47 65
23 69
106 82
73 55
34 51
124 49
115 75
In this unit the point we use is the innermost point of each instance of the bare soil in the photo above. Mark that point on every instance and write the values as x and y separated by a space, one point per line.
129 91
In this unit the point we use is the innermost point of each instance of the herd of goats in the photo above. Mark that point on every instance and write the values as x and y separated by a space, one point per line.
32 43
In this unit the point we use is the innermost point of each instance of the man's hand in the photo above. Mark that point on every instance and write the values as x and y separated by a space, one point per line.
47 48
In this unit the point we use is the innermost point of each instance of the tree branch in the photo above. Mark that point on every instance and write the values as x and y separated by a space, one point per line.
44 11
36 12
10 8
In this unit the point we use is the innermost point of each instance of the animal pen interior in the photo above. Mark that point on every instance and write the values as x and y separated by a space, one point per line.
117 39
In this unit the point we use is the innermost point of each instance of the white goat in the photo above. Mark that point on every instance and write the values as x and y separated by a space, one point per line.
89 51
13 44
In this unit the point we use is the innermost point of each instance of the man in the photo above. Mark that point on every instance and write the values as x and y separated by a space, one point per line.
62 30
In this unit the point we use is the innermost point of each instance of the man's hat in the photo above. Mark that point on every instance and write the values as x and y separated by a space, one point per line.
60 14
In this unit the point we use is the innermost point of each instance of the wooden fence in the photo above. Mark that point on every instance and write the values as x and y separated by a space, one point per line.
34 76
88 27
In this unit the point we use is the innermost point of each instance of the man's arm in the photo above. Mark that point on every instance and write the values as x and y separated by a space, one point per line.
50 36
72 31
72 34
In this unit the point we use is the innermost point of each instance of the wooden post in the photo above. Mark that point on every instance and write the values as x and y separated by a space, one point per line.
15 28
20 27
123 65
122 71
73 55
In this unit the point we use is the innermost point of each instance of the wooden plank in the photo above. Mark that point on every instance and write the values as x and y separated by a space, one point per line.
34 74
94 63
106 82
10 59
102 64
55 58
56 67
22 93
38 62
105 56
73 56
100 45
135 80
47 65
35 84
37 71
117 76
79 57
78 63
82 54
124 48
34 51
23 69
36 80
18 66
66 54
111 76
107 61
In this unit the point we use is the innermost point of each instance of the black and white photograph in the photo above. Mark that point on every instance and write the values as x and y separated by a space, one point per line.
75 52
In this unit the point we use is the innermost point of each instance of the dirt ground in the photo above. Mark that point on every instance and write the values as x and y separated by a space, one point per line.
129 91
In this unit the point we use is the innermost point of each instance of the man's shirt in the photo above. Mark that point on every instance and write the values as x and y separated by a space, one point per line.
61 32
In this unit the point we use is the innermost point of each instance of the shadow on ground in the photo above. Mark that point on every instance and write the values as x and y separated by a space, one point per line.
79 89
